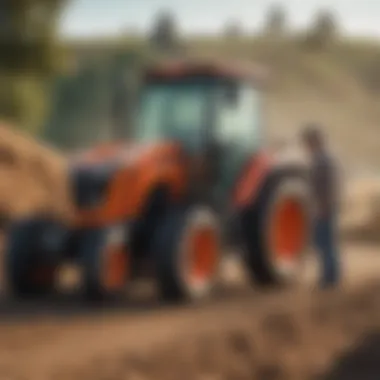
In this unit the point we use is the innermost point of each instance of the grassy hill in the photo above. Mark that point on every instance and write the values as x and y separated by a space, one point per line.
338 86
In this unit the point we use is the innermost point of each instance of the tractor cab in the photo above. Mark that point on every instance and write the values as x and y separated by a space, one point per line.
213 111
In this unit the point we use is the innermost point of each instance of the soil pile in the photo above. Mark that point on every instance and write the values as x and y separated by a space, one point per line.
32 177
361 211
330 336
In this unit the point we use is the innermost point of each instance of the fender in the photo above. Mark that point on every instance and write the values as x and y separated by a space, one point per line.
254 176
129 191
170 175
145 169
259 168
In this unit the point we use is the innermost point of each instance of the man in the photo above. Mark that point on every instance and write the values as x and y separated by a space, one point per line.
323 178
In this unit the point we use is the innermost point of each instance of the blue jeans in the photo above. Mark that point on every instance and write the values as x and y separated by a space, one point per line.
326 243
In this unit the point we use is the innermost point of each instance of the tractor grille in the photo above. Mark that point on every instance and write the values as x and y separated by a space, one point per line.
89 186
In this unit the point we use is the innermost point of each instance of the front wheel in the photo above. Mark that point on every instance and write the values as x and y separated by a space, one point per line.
187 251
277 230
29 270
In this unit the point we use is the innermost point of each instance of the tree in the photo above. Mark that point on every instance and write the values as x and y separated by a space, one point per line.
233 29
29 38
324 30
29 56
97 100
276 21
165 34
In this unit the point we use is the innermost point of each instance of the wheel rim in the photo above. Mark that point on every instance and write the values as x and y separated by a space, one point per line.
115 268
203 255
288 231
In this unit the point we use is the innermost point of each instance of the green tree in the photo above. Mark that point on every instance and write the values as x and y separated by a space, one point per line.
30 56
233 29
29 37
164 36
97 100
323 30
276 21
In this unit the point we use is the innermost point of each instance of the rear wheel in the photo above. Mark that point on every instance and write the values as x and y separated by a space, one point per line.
104 262
187 251
29 272
277 230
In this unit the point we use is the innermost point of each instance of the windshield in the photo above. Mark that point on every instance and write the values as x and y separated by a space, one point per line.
174 111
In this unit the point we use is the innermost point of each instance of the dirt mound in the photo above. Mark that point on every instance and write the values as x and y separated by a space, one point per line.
280 342
272 337
32 176
276 342
361 211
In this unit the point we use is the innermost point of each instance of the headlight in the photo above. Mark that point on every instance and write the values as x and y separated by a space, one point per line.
89 185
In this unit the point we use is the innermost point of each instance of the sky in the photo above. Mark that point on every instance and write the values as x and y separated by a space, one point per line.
86 18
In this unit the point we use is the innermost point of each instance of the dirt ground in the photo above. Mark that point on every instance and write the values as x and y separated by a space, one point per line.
242 334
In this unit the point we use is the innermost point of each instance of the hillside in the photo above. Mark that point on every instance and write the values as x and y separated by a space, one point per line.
338 86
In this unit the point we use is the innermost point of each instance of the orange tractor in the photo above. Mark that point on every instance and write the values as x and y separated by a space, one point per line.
192 178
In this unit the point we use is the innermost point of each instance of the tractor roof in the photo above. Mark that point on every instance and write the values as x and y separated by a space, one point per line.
229 70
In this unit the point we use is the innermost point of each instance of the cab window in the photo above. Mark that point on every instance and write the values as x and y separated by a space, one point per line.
239 116
173 110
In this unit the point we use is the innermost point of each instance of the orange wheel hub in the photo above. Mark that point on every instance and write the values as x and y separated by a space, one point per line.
288 229
203 253
115 268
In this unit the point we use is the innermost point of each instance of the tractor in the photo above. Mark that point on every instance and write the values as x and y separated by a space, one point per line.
193 177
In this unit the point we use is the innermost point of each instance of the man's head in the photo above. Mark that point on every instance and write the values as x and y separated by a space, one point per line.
312 137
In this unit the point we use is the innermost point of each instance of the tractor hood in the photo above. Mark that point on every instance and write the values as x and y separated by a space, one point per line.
101 177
